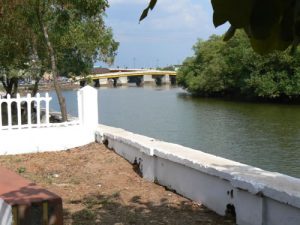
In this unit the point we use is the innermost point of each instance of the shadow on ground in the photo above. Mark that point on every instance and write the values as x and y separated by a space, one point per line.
109 210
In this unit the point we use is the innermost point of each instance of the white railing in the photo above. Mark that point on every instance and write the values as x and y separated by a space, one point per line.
18 113
26 126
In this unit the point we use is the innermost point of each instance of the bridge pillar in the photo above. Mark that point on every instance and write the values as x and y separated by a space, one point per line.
148 79
166 79
103 81
123 80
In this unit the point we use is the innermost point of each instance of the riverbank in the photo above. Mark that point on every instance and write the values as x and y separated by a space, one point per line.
49 87
99 187
45 87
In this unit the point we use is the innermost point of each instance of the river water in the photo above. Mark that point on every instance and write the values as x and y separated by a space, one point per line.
261 135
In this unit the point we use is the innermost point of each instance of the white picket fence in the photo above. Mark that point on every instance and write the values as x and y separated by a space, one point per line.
25 129
18 112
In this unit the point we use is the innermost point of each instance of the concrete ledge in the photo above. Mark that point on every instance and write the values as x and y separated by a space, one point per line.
258 196
23 202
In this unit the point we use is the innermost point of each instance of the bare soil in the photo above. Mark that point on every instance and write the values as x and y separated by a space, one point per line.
99 187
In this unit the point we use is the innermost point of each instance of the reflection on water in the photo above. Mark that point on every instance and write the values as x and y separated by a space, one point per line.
262 135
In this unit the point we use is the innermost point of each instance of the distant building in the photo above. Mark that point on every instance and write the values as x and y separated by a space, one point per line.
100 71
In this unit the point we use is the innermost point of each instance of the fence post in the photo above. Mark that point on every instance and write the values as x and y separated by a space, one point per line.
19 117
9 117
0 113
29 100
47 100
38 109
88 107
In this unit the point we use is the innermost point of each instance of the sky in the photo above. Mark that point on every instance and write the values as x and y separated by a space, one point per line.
165 37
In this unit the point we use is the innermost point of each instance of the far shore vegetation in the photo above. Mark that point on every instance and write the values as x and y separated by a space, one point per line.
232 69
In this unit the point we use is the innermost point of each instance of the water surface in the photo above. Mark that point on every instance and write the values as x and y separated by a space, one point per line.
262 135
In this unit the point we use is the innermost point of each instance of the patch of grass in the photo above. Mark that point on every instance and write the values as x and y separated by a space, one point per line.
84 217
21 170
97 201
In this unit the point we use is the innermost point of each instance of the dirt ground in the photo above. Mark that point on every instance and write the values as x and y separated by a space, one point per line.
99 187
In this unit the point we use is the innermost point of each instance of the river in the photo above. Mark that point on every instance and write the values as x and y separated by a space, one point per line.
262 135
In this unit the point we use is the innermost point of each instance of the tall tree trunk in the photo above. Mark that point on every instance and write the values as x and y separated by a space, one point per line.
35 87
51 53
15 86
9 86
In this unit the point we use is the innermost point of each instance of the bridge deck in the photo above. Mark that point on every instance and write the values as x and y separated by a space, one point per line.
133 73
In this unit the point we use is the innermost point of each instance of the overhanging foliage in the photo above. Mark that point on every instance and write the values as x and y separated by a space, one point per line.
270 24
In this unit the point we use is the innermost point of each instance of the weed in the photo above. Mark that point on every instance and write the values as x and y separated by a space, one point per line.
21 170
84 214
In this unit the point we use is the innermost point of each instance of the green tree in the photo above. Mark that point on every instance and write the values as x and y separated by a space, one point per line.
64 36
269 24
233 69
14 48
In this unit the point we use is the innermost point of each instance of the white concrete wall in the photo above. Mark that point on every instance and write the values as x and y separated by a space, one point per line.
59 136
5 213
44 139
259 197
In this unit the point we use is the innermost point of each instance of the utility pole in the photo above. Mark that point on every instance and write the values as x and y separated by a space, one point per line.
134 59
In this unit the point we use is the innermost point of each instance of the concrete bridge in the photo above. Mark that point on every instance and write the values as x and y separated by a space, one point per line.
136 77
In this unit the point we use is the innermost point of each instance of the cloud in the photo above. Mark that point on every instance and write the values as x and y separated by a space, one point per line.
171 29
183 15
168 16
